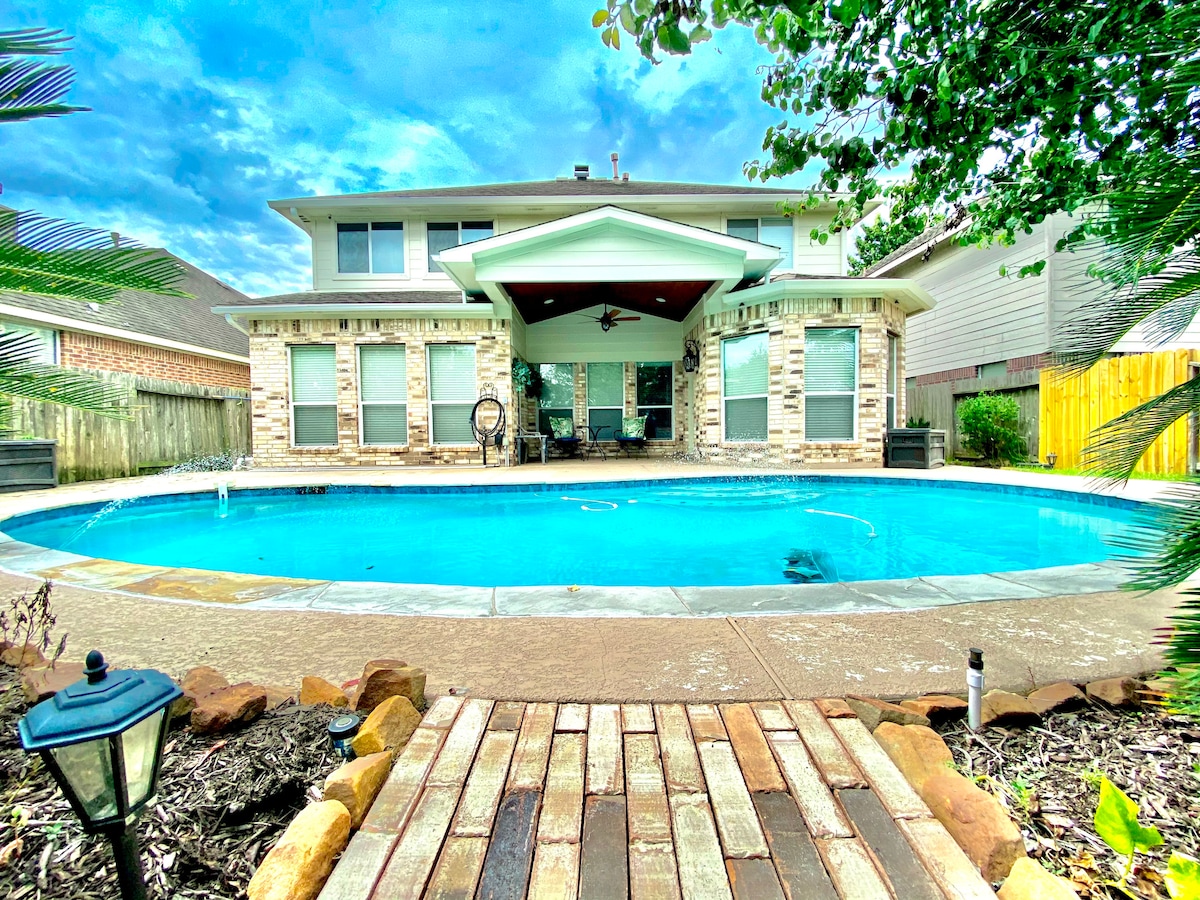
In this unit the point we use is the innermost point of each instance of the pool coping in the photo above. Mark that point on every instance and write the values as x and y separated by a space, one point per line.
206 587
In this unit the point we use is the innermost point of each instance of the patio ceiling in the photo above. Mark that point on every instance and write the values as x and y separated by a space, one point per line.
538 302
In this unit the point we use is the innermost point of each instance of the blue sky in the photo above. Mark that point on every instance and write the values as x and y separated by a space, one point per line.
203 111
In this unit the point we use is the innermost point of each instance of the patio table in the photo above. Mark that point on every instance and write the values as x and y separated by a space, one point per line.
594 439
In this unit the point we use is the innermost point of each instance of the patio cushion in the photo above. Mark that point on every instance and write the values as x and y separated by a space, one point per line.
633 427
562 427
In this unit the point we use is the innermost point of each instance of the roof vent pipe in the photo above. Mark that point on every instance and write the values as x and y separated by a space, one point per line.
625 177
115 238
614 158
582 172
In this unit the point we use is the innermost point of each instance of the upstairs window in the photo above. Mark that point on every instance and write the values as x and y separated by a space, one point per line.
444 235
383 392
745 381
370 247
314 396
773 230
830 383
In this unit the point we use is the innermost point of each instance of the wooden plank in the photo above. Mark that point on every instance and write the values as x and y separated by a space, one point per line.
359 867
605 773
652 872
458 869
442 712
681 766
509 855
851 870
417 850
758 764
481 796
562 803
702 873
797 862
753 879
895 855
772 716
637 717
555 872
837 768
645 790
945 861
528 769
737 822
454 762
572 717
603 860
892 787
706 722
821 812
398 797
506 716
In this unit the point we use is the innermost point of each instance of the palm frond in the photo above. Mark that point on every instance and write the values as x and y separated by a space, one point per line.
1118 445
53 258
23 375
33 42
32 89
1164 539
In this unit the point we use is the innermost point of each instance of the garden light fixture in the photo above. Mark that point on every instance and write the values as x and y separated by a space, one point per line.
102 739
974 688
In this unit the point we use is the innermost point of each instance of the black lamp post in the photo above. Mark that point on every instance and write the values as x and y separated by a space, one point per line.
102 739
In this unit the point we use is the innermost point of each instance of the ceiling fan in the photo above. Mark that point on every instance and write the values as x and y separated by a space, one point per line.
611 317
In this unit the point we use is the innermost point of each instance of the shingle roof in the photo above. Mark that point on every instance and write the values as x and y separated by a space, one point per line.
574 187
172 318
317 298
929 236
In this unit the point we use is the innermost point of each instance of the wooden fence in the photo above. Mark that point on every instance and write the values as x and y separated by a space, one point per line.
1073 408
171 422
938 404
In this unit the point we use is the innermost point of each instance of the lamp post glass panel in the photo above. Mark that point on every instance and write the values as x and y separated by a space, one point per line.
102 739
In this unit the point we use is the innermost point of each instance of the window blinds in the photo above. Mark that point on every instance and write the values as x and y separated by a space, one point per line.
383 382
452 391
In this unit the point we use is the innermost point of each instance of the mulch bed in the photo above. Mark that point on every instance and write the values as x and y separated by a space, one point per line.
1049 778
221 804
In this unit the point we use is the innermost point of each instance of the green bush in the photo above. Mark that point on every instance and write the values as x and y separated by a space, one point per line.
991 427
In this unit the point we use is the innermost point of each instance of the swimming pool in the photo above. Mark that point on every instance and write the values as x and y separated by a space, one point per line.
681 532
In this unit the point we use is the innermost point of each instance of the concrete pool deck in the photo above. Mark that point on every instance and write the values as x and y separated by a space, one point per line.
887 638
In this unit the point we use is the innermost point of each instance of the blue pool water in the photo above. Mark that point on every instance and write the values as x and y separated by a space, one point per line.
693 532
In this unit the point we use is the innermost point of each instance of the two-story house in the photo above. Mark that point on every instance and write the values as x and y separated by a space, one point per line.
698 306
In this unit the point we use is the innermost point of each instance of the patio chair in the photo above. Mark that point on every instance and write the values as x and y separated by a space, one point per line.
632 435
562 432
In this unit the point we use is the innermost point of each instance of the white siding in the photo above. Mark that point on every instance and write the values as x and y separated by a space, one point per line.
573 338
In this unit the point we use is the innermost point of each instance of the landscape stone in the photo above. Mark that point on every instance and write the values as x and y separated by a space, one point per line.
917 750
356 783
228 708
1001 709
388 727
277 696
299 864
1028 880
938 708
1061 697
43 682
1121 692
202 681
873 712
976 821
384 678
18 657
316 691
834 708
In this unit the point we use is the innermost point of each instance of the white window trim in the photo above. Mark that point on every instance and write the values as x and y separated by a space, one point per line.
292 404
725 442
588 401
637 407
854 394
429 387
892 375
21 328
795 255
361 402
339 275
431 271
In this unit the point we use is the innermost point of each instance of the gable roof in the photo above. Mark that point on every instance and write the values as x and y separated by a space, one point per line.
353 298
176 319
571 187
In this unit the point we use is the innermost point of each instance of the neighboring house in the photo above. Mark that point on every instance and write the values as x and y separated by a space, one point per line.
423 298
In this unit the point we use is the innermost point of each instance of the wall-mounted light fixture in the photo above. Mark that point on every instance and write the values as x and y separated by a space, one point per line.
691 356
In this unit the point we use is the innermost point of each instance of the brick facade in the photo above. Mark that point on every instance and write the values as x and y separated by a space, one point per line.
89 351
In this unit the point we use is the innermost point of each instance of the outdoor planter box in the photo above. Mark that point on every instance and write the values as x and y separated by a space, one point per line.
915 448
28 464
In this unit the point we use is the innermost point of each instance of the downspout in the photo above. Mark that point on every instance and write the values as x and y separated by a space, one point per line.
232 321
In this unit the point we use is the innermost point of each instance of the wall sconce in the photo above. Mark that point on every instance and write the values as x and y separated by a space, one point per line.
691 356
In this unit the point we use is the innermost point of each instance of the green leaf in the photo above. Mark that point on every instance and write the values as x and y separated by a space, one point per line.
945 90
1183 877
606 36
599 17
699 34
643 7
1117 824
846 12
616 37
628 22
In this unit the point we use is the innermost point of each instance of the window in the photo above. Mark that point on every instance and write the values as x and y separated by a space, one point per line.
383 394
451 392
314 396
606 396
376 247
773 230
744 380
47 338
655 399
558 394
830 378
893 373
444 235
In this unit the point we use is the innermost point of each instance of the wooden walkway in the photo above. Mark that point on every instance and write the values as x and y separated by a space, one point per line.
742 801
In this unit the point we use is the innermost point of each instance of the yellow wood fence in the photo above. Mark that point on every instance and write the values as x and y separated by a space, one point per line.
1073 408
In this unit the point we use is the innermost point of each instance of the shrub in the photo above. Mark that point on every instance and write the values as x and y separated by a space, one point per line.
919 422
991 428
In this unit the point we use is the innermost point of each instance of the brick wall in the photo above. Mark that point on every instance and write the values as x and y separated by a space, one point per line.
89 351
